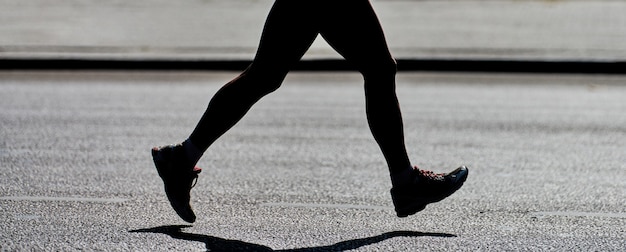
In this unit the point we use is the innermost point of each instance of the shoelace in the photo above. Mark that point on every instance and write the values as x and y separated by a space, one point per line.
429 174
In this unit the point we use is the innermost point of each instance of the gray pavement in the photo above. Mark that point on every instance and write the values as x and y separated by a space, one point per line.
301 171
579 30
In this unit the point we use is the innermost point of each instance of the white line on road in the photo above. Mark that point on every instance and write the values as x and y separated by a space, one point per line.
40 198
336 206
580 214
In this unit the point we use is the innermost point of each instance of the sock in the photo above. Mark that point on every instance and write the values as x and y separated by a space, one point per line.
402 177
192 152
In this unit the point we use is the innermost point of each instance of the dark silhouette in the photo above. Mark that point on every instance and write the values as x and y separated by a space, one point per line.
219 244
352 28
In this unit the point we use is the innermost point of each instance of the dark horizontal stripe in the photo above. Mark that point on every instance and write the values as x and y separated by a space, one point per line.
452 65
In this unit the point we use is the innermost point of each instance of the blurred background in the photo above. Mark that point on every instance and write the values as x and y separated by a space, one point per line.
579 30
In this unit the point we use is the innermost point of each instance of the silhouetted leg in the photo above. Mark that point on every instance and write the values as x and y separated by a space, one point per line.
287 34
353 29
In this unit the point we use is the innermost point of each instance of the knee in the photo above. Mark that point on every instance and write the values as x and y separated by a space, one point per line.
263 81
380 77
268 85
379 70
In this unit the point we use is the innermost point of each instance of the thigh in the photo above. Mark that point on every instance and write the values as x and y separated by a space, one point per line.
352 28
288 33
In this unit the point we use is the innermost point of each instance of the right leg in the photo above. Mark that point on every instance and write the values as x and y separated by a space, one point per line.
287 34
353 30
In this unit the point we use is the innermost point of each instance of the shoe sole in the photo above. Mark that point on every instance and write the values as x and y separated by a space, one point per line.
420 202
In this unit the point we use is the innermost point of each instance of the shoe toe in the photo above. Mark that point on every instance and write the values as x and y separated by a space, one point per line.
187 215
460 174
183 209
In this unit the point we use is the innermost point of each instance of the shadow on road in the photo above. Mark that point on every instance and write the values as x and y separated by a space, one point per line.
219 244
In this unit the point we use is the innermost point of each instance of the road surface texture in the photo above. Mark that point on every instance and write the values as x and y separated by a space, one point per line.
301 171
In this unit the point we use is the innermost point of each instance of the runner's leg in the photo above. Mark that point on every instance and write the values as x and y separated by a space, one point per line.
287 35
353 29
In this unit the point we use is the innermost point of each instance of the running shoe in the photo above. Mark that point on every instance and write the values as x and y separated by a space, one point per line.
178 178
426 187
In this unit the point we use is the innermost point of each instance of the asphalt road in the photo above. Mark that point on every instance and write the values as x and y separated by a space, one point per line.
302 173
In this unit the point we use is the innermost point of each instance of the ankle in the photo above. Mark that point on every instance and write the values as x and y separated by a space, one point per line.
192 153
402 177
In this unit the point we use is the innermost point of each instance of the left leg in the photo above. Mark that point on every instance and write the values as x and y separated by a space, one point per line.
281 46
286 36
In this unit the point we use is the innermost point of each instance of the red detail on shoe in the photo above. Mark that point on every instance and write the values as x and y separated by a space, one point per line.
426 175
197 169
429 174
